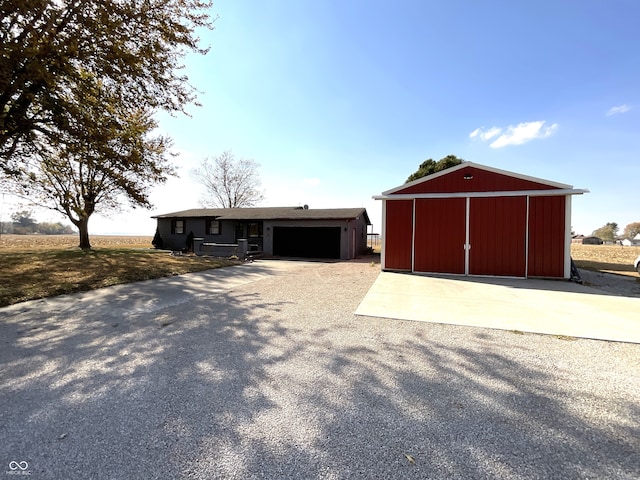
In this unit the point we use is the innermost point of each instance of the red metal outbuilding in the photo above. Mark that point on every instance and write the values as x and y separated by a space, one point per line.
477 220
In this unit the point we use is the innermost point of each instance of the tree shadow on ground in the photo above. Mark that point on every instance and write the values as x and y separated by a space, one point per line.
255 381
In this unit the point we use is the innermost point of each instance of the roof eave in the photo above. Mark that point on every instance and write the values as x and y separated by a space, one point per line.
506 193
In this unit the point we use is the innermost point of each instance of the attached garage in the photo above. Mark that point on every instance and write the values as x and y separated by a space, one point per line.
339 233
476 220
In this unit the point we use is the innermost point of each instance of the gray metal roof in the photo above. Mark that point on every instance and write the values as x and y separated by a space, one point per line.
270 213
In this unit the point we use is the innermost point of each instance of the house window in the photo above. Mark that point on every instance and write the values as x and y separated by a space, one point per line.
255 230
214 227
177 227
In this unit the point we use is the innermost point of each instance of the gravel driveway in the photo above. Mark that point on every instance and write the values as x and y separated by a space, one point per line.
263 371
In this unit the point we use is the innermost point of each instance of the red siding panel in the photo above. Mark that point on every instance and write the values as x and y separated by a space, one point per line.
482 181
546 236
440 235
497 234
398 234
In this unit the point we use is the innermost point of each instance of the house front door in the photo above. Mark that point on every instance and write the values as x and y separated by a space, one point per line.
252 231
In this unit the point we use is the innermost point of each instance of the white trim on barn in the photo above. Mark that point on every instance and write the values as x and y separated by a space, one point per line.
481 167
510 193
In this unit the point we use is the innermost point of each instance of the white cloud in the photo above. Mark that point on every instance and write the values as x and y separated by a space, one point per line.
485 134
523 133
517 135
621 109
492 132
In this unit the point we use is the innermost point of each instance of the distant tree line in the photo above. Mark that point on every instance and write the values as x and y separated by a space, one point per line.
23 223
609 232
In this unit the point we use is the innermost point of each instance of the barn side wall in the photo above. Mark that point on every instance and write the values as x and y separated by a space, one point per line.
397 235
547 236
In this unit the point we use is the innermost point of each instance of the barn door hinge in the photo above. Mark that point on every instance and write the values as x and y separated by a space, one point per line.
466 246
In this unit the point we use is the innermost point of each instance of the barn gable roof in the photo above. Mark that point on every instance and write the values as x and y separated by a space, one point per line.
477 180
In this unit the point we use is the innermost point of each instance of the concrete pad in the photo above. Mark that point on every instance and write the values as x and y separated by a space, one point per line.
538 306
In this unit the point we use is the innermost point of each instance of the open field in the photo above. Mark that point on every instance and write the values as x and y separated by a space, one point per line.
605 258
38 242
38 266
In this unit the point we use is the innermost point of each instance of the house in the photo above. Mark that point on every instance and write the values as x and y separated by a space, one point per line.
636 240
472 219
339 233
592 241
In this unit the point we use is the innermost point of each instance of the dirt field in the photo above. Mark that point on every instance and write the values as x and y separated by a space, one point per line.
606 258
36 242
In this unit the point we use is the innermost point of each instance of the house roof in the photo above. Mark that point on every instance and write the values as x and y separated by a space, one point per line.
270 213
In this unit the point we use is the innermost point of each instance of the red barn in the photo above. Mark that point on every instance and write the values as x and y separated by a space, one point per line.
476 220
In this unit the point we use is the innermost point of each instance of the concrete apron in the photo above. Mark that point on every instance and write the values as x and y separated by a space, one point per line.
538 306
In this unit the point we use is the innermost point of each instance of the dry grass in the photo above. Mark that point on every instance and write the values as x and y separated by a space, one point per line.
38 266
38 242
605 258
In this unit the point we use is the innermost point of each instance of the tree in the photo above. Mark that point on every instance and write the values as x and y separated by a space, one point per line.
631 230
607 232
50 228
47 47
229 182
23 222
117 159
430 166
23 219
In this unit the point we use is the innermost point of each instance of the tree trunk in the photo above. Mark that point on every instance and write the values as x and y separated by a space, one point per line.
83 231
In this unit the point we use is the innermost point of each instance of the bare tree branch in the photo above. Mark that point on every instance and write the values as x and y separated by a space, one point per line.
229 182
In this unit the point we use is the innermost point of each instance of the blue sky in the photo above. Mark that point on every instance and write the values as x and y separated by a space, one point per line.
341 100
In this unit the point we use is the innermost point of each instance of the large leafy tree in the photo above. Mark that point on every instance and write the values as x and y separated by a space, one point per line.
47 46
121 161
229 182
607 232
79 82
430 166
631 230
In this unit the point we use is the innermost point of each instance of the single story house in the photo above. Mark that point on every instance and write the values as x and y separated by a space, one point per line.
636 240
473 219
339 233
592 240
